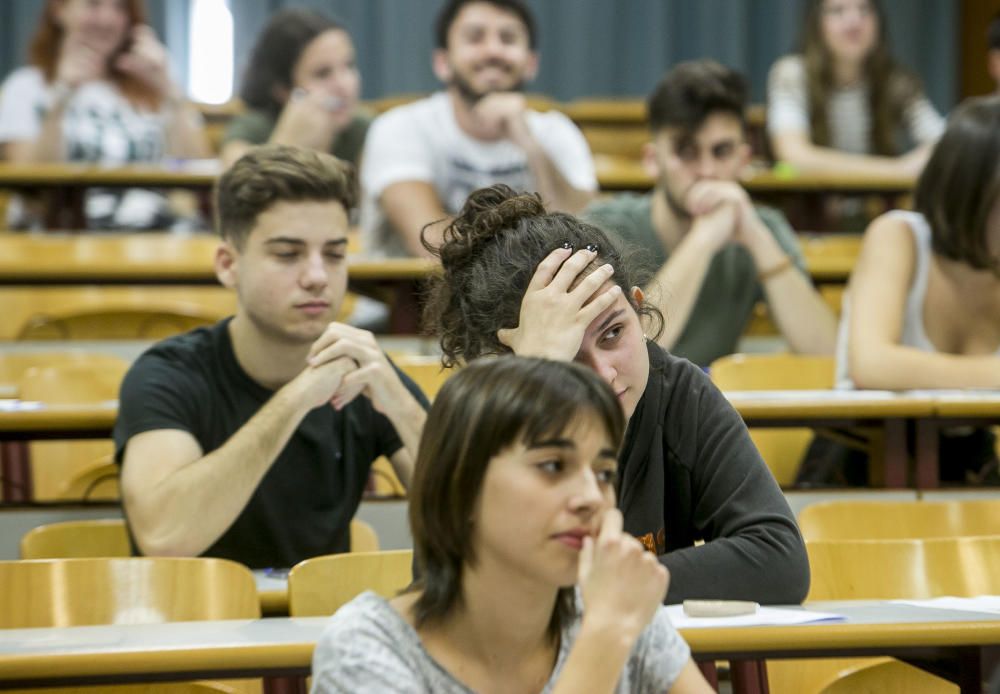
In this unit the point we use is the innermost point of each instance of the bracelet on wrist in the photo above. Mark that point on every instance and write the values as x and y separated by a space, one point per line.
776 269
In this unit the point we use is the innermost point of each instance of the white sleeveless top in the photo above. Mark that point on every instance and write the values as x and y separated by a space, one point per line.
913 334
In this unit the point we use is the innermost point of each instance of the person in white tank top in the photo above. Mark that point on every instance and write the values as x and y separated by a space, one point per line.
923 306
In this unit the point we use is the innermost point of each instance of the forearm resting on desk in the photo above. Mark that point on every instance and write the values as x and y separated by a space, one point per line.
179 500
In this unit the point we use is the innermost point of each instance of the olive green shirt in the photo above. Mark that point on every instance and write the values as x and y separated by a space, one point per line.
730 289
256 125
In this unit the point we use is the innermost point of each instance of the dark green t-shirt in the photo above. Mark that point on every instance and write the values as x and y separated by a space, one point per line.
730 290
255 126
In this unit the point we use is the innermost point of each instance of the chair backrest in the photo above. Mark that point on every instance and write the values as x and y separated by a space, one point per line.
781 449
363 537
111 323
888 520
73 469
425 371
103 537
76 592
773 372
319 586
107 537
914 569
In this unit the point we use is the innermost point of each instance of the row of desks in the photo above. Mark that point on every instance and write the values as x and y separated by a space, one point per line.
163 258
964 645
66 182
927 412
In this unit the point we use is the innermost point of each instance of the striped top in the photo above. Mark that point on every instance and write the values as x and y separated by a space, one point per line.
848 111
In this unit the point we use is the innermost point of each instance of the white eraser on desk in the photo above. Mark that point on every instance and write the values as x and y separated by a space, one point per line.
719 608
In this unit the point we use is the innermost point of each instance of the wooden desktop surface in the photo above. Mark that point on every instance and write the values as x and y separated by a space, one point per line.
164 258
283 646
197 174
150 258
627 173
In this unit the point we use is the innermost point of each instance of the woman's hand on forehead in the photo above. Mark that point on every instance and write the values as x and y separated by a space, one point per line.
562 299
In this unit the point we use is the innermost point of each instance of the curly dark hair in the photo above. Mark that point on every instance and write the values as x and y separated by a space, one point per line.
489 255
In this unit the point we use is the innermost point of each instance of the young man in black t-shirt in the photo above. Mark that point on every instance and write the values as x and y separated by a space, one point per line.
252 439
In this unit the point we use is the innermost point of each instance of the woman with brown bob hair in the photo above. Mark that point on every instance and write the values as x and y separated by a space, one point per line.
97 89
519 279
844 104
923 305
511 506
301 88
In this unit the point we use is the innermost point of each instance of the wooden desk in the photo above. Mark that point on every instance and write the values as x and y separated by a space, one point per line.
45 262
927 411
65 183
891 412
962 642
788 192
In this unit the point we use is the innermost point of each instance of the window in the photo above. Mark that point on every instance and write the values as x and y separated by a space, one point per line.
210 57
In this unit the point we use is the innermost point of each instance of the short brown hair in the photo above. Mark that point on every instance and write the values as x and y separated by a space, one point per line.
278 173
694 90
482 410
961 183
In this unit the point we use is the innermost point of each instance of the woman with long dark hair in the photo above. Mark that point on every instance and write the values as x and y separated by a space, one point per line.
844 104
301 88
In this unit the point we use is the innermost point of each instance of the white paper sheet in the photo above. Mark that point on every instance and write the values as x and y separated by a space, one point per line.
19 405
766 616
980 603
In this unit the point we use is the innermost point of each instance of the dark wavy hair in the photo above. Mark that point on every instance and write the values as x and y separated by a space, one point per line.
481 411
489 254
961 183
451 8
278 48
694 90
891 87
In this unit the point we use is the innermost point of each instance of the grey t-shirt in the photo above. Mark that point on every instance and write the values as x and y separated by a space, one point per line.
368 647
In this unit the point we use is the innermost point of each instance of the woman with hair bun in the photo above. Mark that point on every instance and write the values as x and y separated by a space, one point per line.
527 581
519 279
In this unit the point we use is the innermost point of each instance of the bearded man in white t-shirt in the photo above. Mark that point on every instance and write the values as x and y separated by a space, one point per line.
423 159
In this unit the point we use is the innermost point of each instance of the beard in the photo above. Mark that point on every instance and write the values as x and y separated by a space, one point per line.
676 206
471 95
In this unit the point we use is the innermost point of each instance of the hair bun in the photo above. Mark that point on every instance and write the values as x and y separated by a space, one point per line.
485 215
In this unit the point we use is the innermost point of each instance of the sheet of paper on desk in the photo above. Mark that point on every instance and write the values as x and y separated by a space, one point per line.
811 395
19 405
980 603
766 616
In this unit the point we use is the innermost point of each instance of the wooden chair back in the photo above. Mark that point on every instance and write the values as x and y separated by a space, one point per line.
884 570
363 537
426 371
899 520
73 469
895 569
103 537
319 586
134 590
114 323
24 303
107 537
781 449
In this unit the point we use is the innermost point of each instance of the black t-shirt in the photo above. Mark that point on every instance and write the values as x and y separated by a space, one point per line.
304 503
